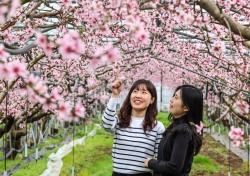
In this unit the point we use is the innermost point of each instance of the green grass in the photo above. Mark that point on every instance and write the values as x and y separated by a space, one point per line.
20 156
204 164
28 169
10 163
34 168
163 117
92 159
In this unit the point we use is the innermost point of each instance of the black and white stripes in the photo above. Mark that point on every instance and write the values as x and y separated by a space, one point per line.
131 146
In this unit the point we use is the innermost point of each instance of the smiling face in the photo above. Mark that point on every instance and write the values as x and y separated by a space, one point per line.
177 109
140 99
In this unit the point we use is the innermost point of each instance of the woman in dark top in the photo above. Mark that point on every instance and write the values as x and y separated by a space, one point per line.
180 141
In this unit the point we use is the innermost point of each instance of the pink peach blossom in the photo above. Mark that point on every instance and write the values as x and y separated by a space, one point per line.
199 127
3 54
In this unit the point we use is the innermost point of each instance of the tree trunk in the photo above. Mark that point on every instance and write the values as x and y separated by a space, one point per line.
14 143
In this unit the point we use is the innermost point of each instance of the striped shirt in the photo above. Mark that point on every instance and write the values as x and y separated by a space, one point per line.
131 146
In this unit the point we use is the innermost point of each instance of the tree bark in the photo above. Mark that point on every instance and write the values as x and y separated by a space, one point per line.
15 142
9 121
215 12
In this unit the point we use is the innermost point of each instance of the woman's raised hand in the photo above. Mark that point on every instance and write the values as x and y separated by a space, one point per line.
116 86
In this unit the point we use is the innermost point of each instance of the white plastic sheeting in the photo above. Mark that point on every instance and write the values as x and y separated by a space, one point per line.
55 163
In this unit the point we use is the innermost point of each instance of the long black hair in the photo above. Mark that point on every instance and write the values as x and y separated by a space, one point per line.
150 118
192 98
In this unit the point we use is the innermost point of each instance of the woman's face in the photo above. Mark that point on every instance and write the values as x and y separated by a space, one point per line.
176 105
140 99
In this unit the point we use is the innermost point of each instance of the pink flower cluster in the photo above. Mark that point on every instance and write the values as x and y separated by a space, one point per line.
66 3
137 28
218 46
71 45
199 127
236 134
10 10
38 92
3 54
104 98
105 54
42 42
66 113
242 107
11 70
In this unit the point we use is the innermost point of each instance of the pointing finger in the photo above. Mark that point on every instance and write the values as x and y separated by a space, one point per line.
116 75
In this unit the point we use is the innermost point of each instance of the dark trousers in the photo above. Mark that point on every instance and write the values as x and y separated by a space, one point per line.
141 174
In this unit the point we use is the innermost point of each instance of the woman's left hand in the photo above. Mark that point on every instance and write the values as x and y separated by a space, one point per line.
146 161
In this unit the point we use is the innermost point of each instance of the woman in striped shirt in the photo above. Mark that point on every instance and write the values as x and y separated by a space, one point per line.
136 131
